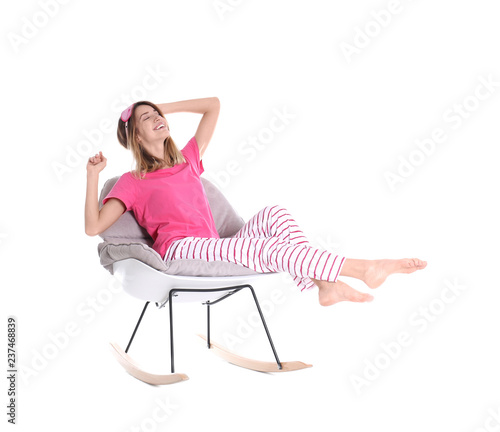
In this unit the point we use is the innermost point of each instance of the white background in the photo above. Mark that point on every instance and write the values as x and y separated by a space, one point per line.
355 118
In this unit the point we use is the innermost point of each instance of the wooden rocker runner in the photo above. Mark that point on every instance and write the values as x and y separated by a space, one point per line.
127 254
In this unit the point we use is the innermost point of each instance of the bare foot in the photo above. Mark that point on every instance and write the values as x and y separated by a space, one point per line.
378 270
335 292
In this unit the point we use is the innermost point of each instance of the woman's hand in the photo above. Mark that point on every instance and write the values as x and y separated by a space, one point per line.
209 107
96 164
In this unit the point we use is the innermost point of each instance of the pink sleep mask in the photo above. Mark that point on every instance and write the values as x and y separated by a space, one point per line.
126 114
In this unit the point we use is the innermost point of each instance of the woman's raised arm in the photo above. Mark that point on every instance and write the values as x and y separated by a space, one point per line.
209 107
97 221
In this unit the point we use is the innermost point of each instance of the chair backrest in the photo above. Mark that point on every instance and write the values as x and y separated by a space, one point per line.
126 229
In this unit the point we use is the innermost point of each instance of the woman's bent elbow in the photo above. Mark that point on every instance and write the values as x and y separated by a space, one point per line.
92 231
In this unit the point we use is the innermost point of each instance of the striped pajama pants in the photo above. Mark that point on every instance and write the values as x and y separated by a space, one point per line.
270 241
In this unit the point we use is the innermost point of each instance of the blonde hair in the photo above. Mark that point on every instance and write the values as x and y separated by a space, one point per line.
145 162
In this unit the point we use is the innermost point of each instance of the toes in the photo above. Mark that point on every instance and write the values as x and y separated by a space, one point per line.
361 298
419 263
365 298
415 263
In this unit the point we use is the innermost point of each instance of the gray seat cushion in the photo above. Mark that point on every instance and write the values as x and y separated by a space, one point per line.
127 239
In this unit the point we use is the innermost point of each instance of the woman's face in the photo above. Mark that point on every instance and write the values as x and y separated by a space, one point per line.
151 127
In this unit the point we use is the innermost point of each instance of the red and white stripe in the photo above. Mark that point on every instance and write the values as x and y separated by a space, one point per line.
270 241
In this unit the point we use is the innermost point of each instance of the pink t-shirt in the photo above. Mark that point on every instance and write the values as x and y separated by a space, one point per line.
169 203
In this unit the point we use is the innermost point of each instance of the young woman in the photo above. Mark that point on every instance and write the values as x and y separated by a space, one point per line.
167 197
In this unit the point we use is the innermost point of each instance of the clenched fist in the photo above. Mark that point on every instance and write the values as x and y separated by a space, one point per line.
96 163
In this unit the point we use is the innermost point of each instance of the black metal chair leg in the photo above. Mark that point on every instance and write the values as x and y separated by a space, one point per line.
137 326
265 326
209 303
208 325
170 297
